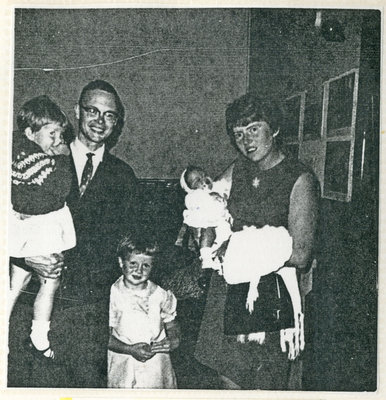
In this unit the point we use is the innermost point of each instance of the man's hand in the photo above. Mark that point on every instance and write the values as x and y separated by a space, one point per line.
141 351
47 266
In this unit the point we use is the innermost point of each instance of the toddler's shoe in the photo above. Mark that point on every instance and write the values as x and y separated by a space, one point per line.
39 354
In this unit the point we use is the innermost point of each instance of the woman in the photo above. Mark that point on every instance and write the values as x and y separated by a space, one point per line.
267 188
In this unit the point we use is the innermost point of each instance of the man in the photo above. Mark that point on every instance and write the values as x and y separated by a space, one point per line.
102 202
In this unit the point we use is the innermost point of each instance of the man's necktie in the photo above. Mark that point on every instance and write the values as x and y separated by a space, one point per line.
87 174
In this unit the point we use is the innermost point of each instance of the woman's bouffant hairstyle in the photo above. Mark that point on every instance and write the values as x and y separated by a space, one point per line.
107 87
40 111
249 108
138 242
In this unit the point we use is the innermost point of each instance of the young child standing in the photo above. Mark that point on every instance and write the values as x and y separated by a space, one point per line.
142 326
40 223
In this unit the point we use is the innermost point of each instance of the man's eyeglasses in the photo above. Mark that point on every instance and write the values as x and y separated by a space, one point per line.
108 116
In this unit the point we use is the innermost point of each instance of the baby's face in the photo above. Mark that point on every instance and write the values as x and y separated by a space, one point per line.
198 179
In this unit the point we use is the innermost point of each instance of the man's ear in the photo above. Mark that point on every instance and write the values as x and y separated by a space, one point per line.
276 133
120 262
30 135
77 111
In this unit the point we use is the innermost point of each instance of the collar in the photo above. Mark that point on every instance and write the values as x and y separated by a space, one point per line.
79 155
80 149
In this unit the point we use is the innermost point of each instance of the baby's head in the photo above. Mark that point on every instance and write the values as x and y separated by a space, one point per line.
137 253
43 122
195 178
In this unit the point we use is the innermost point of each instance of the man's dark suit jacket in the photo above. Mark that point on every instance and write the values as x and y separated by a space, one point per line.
101 215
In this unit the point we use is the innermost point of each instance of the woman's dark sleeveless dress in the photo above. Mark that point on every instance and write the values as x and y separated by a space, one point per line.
257 198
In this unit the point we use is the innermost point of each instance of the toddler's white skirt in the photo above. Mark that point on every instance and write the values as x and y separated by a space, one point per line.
38 235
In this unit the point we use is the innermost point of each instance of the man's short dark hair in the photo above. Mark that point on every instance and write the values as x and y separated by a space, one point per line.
107 87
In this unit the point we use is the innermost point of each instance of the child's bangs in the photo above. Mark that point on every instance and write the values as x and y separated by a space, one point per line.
37 122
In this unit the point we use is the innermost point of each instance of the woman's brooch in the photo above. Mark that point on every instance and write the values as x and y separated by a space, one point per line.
256 182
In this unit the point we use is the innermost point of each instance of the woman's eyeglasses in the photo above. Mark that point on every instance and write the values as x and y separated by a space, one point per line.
251 130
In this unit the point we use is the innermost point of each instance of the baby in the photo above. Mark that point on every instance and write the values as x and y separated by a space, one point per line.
206 213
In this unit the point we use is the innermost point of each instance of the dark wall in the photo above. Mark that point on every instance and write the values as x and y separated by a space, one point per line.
288 55
181 67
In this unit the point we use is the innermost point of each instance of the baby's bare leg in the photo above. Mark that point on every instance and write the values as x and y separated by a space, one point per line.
181 235
208 236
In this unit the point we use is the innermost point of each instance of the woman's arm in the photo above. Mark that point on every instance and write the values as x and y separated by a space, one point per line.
302 219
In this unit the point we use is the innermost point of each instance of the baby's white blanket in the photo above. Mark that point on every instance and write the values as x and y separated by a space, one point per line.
253 252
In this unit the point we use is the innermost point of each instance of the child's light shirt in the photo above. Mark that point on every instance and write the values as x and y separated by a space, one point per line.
138 316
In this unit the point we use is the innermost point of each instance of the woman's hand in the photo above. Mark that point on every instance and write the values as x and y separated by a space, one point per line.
140 351
294 338
47 266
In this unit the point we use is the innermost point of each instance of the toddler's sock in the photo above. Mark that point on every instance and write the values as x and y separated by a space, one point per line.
39 336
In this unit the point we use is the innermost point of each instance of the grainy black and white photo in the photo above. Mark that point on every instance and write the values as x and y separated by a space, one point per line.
194 199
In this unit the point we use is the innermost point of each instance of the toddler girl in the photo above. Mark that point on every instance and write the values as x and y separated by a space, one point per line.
142 326
40 222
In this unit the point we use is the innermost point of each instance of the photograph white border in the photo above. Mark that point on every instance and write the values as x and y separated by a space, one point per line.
6 76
